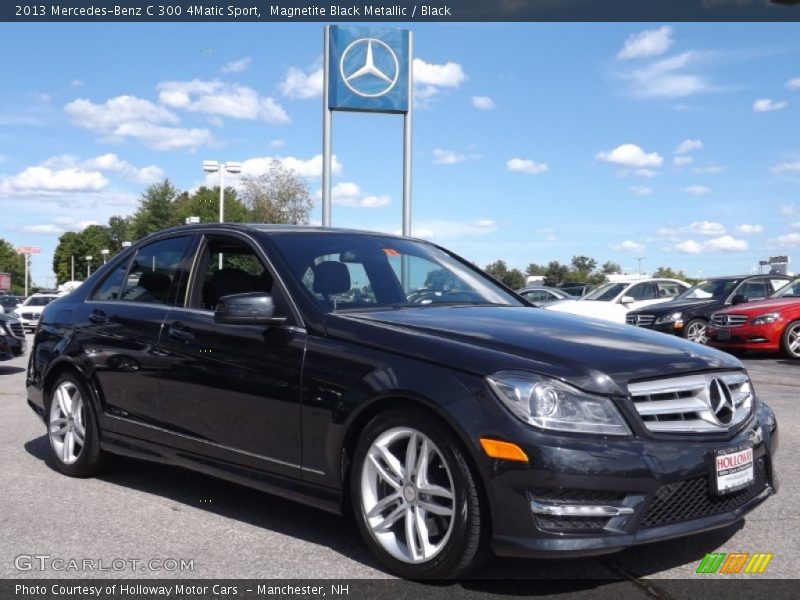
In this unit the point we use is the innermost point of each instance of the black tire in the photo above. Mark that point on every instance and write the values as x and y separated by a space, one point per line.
465 547
789 340
694 325
90 458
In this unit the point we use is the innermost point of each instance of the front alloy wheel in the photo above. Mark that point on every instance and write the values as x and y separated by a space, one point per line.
791 339
415 498
696 331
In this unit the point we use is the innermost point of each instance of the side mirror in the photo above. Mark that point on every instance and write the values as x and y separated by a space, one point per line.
252 308
627 300
739 299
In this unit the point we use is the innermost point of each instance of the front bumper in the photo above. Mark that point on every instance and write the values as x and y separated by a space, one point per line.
11 347
759 338
663 487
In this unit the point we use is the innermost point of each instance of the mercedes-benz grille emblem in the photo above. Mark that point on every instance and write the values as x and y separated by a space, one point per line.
369 67
720 401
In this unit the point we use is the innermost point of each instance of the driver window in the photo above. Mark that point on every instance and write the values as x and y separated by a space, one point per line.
754 289
642 291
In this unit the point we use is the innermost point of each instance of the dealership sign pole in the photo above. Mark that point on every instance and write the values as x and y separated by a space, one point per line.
366 69
26 251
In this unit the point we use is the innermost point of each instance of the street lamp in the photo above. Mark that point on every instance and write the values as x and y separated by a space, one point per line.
88 266
213 166
104 252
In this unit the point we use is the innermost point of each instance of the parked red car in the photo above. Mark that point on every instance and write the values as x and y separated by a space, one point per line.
766 325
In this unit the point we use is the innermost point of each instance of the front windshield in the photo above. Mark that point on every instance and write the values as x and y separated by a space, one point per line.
357 272
38 301
605 293
712 289
790 290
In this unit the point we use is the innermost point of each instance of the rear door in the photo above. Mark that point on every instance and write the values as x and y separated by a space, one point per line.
119 330
233 391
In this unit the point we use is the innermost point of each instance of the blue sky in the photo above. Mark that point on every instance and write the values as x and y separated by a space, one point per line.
532 142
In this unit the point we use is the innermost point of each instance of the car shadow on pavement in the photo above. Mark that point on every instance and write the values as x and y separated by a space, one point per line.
191 490
4 370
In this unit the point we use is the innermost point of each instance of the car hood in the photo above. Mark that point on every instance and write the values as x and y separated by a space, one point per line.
599 309
591 354
673 306
761 306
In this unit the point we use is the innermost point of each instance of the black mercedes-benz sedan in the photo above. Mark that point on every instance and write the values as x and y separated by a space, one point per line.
301 361
12 338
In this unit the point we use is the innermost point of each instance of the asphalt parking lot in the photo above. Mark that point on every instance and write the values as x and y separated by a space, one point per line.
148 511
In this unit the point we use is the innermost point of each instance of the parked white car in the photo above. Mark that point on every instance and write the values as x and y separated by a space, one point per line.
29 311
612 301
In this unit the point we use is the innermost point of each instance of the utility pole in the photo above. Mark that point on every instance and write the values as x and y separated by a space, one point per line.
640 259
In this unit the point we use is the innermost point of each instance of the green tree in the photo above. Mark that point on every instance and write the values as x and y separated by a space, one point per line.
278 196
556 273
441 279
611 267
156 210
13 264
120 229
79 245
204 203
669 273
534 269
513 278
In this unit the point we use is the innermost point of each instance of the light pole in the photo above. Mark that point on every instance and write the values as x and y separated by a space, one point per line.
214 166
104 252
88 266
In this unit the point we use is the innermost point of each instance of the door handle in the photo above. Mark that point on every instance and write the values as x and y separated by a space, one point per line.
98 316
180 332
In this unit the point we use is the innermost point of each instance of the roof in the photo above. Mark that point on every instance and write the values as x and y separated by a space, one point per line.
275 228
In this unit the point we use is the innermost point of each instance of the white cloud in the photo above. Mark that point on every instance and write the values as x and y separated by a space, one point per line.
41 180
630 155
548 232
793 84
687 146
768 105
682 161
350 194
302 85
447 157
697 190
641 190
525 165
665 78
430 79
443 230
788 240
628 246
651 42
725 243
42 229
746 229
130 117
112 163
61 225
483 102
221 99
76 83
789 210
786 167
645 173
706 228
311 167
710 169
237 66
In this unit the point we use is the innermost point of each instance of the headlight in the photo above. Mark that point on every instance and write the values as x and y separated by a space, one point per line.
766 318
670 318
550 404
15 314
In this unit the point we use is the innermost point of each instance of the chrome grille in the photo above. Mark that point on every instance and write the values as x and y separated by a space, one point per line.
711 402
16 329
640 320
30 316
728 320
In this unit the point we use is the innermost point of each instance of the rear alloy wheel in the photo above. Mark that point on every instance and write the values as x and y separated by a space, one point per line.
791 339
415 498
695 331
72 429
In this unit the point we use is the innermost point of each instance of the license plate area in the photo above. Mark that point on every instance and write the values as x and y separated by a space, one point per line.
723 334
732 469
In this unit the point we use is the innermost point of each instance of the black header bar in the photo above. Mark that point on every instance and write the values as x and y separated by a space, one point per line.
397 11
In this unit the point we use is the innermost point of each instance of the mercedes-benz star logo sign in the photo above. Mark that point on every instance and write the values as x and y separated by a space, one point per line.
720 401
369 67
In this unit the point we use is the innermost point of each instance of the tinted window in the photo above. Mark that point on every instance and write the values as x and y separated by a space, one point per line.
606 293
360 271
669 289
112 285
778 284
158 273
791 290
39 300
753 289
712 289
642 291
